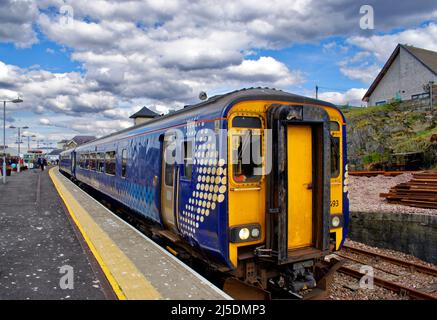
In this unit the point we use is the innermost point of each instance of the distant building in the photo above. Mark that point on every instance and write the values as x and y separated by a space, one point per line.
10 151
144 115
54 155
61 144
405 76
78 140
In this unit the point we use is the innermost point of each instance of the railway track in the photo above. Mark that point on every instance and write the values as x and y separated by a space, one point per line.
384 283
392 286
407 264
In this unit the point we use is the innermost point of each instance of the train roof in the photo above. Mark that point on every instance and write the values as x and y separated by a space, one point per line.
215 106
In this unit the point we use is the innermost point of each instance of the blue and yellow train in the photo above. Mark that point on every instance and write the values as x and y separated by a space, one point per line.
194 176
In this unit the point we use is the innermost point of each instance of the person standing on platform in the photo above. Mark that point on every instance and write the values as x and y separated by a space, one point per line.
40 163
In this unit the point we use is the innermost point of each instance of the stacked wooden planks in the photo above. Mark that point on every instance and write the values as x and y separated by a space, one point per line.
420 192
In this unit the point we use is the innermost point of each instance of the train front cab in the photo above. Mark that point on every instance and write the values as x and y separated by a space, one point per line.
298 204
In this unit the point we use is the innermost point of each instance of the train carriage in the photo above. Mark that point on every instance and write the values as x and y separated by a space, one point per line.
256 183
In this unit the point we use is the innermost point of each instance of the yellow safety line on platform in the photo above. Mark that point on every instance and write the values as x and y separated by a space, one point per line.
126 280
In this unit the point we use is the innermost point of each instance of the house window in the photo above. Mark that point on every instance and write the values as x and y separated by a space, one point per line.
110 163
420 96
380 103
123 163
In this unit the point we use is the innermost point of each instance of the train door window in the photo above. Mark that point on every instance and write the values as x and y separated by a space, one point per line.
188 159
169 161
92 161
110 163
246 156
123 163
335 149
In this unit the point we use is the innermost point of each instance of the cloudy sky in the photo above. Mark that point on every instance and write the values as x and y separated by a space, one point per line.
82 66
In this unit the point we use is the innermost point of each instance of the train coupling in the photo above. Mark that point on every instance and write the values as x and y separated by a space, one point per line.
263 252
296 278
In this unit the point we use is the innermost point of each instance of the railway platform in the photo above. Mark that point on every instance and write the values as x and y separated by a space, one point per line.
135 266
38 245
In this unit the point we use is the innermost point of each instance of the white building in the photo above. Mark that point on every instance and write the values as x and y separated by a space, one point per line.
404 76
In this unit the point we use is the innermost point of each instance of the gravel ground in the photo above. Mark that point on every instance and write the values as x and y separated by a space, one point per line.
364 195
346 288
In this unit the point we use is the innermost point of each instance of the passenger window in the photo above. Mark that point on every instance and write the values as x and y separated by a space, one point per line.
246 122
246 157
85 161
110 163
123 162
188 159
91 163
100 162
335 157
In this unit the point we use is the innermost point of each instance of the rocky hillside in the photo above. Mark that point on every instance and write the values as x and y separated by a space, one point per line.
375 134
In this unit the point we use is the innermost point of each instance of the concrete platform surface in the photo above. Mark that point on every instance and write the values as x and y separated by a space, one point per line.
136 267
38 242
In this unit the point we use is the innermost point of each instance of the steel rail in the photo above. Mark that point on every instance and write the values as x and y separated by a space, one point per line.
410 265
399 289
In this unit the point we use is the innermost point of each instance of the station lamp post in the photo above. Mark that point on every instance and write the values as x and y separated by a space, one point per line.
19 142
18 100
28 140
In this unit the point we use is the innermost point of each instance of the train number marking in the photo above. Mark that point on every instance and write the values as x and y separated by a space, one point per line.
335 203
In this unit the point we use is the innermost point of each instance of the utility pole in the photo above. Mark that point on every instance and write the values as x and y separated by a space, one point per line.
431 83
4 142
317 92
19 142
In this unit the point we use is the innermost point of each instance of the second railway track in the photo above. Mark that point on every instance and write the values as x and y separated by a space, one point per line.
391 281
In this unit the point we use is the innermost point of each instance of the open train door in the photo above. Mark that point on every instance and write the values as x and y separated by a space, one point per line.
169 181
298 186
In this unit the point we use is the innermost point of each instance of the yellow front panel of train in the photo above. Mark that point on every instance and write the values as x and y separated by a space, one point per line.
300 197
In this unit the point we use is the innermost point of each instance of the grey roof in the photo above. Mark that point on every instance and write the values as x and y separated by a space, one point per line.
83 139
144 113
426 57
55 152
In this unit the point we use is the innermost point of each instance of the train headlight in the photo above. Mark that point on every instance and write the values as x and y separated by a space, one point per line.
335 221
255 233
245 233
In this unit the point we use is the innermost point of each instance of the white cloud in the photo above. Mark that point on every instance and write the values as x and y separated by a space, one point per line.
16 18
44 121
163 53
351 97
264 70
381 46
363 73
